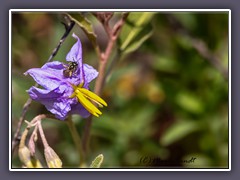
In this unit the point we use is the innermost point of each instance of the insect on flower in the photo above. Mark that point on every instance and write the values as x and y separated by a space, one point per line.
65 87
70 69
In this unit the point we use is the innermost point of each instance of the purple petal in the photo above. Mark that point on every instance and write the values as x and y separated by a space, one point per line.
79 109
75 54
55 65
39 94
47 79
54 100
56 68
60 107
90 73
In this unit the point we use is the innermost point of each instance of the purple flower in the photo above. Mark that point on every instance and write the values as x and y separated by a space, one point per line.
65 87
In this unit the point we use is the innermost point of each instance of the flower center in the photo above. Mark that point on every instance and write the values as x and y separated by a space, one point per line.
86 98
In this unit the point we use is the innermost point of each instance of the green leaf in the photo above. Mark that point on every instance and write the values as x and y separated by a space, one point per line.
86 26
190 102
142 36
96 163
136 30
178 131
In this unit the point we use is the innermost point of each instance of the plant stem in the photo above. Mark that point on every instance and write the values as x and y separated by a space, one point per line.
77 140
16 138
98 89
44 140
103 60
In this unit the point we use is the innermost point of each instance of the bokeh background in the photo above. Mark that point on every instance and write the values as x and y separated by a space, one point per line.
167 100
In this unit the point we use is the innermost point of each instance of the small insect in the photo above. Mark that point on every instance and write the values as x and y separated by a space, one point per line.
71 68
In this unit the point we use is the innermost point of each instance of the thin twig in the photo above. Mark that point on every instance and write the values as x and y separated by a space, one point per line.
68 27
104 18
117 27
101 69
16 137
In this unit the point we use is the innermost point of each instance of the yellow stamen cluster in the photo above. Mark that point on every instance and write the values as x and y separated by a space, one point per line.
85 97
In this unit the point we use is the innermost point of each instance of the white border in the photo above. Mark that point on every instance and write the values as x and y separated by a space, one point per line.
229 88
119 10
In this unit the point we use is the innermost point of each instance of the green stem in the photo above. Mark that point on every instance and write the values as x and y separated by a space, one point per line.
77 140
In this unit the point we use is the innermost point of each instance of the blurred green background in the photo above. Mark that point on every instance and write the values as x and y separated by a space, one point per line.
167 101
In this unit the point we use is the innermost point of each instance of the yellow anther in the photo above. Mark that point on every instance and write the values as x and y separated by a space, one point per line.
85 97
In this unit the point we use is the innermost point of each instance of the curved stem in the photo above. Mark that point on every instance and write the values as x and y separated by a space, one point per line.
44 140
77 140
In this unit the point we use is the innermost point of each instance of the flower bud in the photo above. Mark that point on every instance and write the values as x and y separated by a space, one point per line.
52 159
25 157
36 163
28 160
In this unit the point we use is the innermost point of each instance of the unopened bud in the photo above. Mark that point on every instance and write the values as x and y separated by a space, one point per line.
52 159
36 163
28 160
25 157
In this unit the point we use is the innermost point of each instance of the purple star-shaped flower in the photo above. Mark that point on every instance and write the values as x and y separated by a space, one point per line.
58 88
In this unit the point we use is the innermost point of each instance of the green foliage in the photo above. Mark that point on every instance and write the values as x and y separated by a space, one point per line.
164 99
178 131
189 102
136 30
